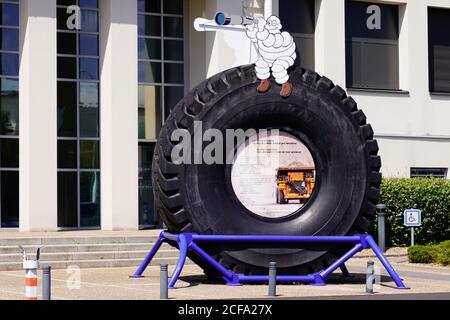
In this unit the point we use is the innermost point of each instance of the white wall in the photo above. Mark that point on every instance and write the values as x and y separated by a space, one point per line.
412 128
413 118
119 115
38 114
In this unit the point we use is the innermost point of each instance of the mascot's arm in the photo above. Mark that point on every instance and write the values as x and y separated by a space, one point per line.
251 32
276 40
287 39
272 40
263 35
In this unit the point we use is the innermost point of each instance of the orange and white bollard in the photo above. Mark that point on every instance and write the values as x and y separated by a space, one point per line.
31 269
31 279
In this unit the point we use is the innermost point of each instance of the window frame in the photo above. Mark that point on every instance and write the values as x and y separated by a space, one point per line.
349 41
431 62
16 136
79 139
162 85
305 36
417 174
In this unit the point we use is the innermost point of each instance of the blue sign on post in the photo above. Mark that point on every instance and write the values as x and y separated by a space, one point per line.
413 218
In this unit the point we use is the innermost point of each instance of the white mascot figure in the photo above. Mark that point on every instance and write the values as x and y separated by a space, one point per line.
276 50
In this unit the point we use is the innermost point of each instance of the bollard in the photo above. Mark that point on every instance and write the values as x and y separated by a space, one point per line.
31 279
31 268
164 281
273 279
47 283
370 277
381 213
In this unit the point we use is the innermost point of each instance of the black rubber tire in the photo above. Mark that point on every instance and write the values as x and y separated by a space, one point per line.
200 198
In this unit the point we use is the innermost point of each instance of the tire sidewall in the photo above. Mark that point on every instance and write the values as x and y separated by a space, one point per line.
332 136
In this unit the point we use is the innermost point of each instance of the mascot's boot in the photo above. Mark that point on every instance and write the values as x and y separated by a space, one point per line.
286 90
264 86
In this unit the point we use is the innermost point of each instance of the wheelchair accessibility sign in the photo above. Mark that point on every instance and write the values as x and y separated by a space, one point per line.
413 218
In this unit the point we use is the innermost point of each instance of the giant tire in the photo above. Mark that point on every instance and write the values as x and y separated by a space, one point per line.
200 198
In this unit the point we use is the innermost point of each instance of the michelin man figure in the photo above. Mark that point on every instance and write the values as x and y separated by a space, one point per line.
277 53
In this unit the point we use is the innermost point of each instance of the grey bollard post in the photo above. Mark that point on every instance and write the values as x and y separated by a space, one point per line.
370 277
273 279
164 281
47 283
381 213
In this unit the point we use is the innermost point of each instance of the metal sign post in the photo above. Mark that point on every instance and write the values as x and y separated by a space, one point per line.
412 219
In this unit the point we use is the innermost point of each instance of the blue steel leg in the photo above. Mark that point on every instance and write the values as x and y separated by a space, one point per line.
149 257
230 277
326 273
184 247
394 275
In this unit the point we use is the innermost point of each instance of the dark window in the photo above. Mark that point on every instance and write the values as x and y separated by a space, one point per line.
146 200
67 200
68 154
9 63
89 20
89 199
67 43
88 69
9 153
174 73
9 107
149 25
150 72
9 39
89 3
161 84
67 109
173 27
9 185
172 96
173 6
89 110
173 50
149 49
150 6
9 14
89 45
372 31
429 173
89 155
298 18
78 117
439 49
67 68
9 112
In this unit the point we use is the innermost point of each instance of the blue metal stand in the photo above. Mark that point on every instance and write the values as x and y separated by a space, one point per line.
188 242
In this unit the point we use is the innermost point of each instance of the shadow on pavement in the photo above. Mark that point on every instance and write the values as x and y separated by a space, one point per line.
334 279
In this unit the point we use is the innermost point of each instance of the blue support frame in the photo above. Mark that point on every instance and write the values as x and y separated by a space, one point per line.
189 242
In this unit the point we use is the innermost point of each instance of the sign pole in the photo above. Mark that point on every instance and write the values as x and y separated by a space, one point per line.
413 218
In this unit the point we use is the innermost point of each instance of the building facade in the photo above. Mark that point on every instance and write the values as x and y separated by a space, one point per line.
87 84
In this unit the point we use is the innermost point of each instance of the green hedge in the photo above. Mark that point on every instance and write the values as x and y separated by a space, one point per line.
430 195
430 254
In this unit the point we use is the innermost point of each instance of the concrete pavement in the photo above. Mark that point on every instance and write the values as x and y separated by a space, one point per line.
114 284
